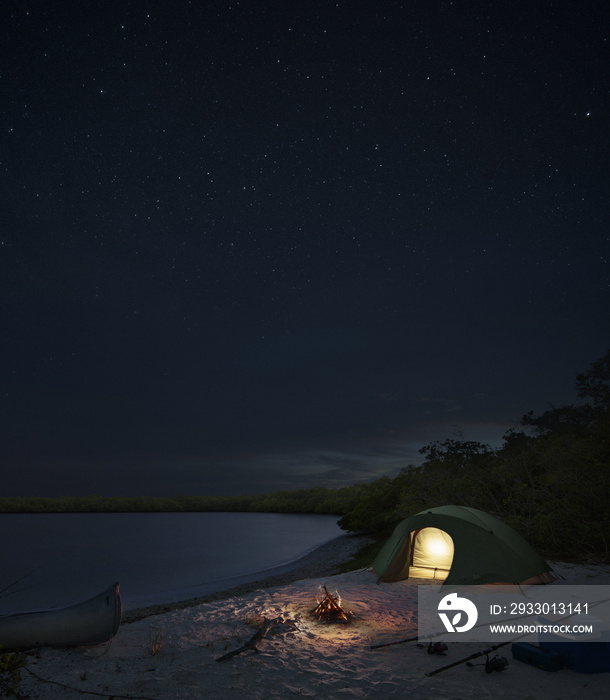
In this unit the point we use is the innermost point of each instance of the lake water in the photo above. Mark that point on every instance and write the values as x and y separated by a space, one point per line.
156 557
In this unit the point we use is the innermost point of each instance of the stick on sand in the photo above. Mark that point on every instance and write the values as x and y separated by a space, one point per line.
252 644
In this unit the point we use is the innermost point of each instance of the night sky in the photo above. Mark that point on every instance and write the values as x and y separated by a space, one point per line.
250 246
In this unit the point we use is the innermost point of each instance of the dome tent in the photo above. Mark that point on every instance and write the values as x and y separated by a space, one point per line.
463 546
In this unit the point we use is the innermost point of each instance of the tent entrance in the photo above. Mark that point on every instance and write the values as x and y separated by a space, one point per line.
431 553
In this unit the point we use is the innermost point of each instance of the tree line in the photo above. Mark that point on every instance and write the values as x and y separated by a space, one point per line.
315 501
549 480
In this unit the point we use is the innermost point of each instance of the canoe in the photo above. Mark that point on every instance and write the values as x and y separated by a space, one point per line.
94 621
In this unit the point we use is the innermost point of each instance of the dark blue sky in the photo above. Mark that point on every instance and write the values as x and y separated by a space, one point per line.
247 246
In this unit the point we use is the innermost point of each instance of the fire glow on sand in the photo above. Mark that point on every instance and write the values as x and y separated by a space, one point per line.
300 656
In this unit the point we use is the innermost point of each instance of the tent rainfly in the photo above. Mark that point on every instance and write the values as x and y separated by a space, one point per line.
462 546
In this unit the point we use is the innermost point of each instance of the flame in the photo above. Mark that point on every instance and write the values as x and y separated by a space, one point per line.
330 608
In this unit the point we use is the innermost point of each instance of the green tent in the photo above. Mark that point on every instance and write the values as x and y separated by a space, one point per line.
461 546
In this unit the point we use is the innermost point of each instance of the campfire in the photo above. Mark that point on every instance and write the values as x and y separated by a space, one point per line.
329 608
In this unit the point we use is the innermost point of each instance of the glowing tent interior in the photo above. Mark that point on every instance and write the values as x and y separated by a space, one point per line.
459 545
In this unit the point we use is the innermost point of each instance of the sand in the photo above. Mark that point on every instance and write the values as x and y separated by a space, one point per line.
301 657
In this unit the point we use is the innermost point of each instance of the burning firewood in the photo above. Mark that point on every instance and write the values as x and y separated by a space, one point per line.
329 609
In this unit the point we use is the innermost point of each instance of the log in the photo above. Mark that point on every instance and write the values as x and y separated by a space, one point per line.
252 644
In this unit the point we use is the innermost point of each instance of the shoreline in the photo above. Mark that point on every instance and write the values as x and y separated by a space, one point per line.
325 560
174 655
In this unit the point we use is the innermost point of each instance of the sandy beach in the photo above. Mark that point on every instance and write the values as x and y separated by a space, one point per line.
300 656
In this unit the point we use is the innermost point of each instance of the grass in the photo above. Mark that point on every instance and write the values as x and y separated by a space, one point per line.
11 664
156 637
